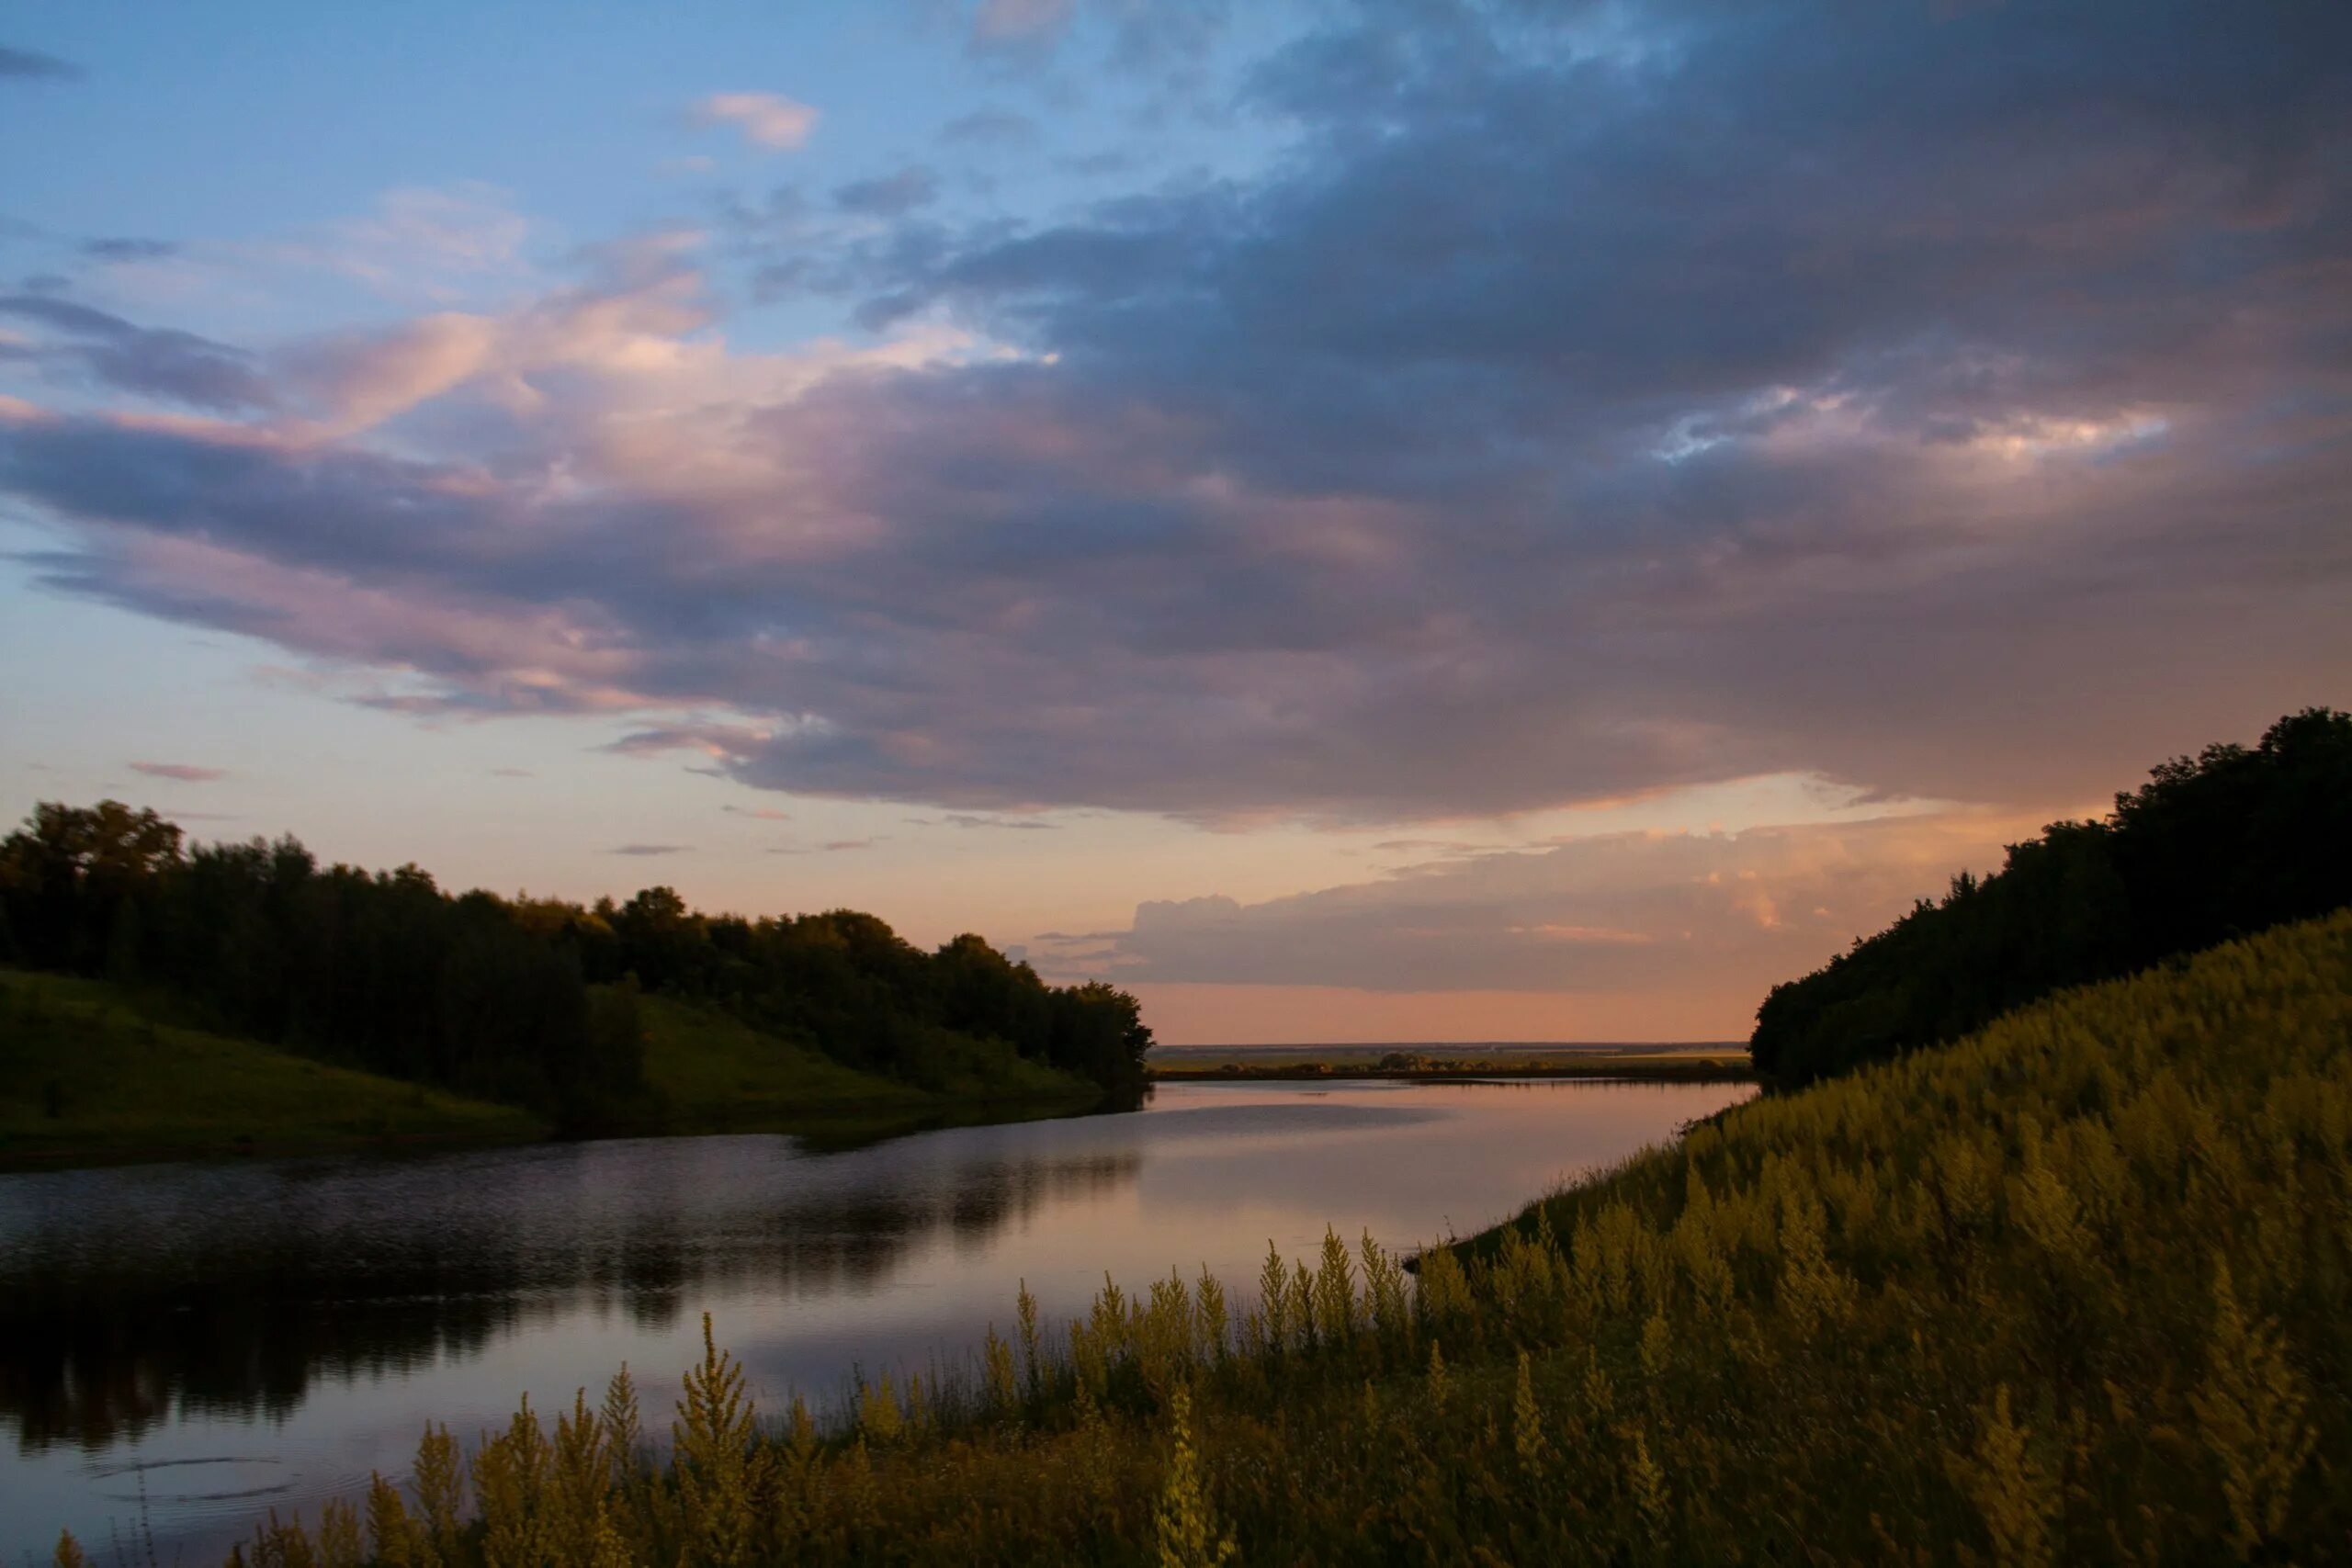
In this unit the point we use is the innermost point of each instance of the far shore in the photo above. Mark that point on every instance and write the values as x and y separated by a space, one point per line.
1650 1066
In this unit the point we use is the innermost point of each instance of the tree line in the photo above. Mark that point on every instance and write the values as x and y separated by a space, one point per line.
2215 846
524 1001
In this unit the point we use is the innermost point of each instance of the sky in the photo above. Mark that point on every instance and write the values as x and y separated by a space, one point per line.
1355 521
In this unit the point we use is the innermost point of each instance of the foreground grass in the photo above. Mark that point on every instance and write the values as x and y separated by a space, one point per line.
86 1077
2073 1288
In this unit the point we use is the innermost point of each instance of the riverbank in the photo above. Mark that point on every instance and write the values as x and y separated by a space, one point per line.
92 1075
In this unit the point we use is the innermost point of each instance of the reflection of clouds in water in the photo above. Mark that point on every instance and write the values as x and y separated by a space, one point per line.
126 1297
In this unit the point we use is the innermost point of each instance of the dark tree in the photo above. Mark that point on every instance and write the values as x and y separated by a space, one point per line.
531 1001
2212 847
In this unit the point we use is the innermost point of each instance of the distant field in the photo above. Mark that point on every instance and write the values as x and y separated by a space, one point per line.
1709 1059
85 1078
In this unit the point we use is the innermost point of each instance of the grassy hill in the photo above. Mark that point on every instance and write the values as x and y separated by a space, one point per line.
87 1078
2073 1289
709 1072
90 1074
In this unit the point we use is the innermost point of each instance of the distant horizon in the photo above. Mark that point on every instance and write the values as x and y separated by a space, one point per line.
1628 1046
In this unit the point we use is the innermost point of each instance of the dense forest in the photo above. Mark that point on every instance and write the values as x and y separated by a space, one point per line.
2069 1290
532 1002
2222 845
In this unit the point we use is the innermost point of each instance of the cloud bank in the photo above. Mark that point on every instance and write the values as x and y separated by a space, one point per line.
1634 914
1947 401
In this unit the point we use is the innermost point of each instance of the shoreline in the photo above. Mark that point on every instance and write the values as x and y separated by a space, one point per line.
1613 1069
825 1129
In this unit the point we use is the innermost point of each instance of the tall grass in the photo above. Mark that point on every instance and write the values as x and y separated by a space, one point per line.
2073 1289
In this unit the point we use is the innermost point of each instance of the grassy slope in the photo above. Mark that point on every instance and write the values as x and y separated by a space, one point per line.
709 1068
131 1089
713 1073
2073 1288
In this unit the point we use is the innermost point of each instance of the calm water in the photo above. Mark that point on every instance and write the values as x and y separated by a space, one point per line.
221 1339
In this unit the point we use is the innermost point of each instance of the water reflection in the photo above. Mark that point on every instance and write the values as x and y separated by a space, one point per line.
187 1344
127 1297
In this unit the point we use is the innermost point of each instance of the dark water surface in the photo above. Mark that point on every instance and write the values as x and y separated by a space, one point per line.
195 1344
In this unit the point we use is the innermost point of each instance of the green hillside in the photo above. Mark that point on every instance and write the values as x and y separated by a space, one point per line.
711 1072
2073 1289
86 1077
90 1074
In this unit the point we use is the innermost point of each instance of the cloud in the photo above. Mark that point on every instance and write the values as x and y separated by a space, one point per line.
128 249
720 741
767 119
187 773
161 362
1950 405
1726 915
651 849
1163 43
760 813
1019 25
31 65
834 846
990 127
888 195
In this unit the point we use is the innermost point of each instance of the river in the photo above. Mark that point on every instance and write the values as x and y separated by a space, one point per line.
188 1346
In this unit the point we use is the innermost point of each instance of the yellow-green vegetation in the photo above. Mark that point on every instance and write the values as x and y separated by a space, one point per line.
711 1072
86 1075
2073 1289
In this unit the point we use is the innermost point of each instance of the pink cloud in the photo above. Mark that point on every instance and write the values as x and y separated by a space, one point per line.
767 119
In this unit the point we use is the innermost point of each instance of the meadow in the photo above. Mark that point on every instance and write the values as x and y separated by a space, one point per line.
2072 1288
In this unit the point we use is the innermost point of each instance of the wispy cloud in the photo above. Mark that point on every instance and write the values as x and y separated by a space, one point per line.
128 249
990 127
888 195
186 772
767 119
649 849
33 65
180 366
834 846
